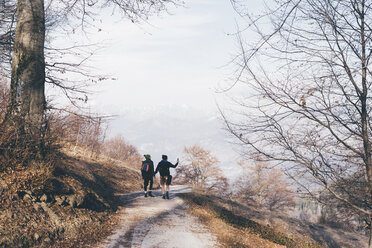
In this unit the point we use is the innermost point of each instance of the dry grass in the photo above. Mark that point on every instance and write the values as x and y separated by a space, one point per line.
28 221
234 230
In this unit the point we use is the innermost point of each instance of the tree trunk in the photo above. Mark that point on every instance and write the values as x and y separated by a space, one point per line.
27 98
370 236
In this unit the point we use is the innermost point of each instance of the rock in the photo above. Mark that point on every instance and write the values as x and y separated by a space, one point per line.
36 236
36 206
46 198
15 197
47 240
3 186
61 200
75 201
28 197
29 192
31 197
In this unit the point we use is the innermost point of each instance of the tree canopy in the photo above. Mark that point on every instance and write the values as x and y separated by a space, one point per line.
308 78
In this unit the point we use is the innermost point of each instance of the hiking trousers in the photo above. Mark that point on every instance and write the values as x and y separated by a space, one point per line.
146 182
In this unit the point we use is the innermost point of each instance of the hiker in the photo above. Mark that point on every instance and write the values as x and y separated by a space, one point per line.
165 176
147 171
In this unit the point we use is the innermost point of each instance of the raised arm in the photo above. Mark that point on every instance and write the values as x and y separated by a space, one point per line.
174 165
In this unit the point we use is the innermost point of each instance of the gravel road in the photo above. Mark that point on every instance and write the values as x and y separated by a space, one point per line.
155 222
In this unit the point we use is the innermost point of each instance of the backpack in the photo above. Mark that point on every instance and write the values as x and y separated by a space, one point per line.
163 169
145 167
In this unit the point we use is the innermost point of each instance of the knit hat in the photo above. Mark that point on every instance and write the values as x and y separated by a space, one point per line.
147 156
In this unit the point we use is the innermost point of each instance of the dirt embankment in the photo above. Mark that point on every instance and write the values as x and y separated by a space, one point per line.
67 204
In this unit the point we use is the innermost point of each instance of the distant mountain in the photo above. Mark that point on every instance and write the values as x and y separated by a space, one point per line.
168 129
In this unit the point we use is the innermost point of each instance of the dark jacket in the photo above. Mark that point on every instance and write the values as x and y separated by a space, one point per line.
163 167
150 172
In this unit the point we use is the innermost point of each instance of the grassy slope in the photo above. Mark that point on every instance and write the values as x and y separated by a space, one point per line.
233 228
35 204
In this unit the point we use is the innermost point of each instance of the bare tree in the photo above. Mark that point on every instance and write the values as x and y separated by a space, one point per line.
65 67
118 148
199 168
78 129
27 98
307 68
263 186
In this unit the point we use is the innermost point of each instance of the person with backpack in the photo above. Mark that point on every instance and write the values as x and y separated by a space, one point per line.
165 176
147 171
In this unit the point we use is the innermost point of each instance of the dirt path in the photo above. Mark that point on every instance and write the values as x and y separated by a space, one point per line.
155 222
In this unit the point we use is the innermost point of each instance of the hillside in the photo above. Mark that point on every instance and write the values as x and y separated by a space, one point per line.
69 202
76 200
240 225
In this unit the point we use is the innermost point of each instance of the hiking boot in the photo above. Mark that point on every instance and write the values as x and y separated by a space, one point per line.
150 194
145 194
163 196
167 195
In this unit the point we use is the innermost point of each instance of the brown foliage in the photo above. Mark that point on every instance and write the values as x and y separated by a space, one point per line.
78 129
19 146
118 148
264 187
199 169
88 131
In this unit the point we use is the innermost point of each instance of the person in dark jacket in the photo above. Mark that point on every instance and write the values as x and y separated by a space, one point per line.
165 176
147 171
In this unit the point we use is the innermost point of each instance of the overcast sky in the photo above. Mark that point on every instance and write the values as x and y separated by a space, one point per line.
167 73
177 59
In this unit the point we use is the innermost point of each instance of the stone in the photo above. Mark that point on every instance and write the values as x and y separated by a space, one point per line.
36 236
46 198
61 200
3 186
27 197
75 201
